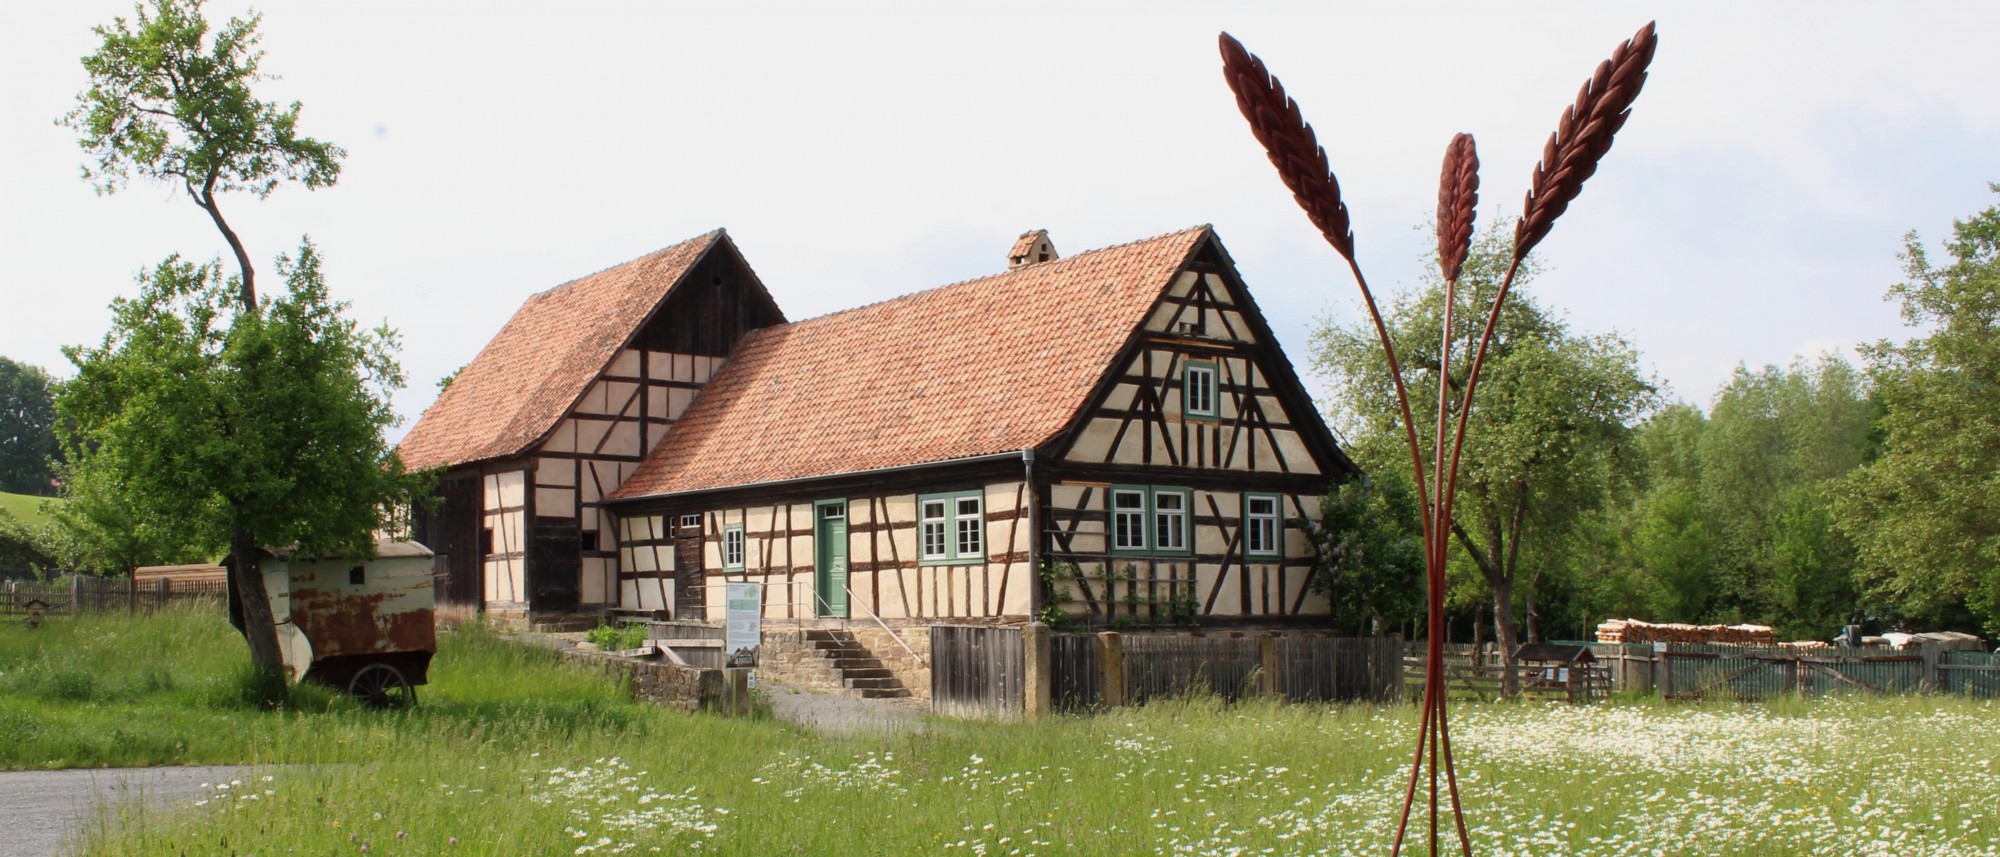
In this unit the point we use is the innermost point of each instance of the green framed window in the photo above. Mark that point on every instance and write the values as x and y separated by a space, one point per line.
1129 511
1151 519
1173 521
1198 389
732 547
951 528
1263 525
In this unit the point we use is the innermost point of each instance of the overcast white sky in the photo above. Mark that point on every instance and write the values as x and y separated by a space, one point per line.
1751 211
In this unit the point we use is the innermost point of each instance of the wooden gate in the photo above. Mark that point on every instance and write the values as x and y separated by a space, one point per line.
976 671
1073 673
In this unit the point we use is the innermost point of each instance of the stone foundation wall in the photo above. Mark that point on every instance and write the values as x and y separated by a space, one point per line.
787 656
913 675
662 682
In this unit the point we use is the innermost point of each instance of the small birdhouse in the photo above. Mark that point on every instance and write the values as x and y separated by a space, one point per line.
37 610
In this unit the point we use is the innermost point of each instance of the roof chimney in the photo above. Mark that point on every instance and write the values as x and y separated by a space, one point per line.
1032 247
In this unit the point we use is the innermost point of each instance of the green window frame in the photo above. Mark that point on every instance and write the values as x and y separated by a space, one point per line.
1201 390
1173 521
1150 520
732 547
1263 526
1129 519
951 528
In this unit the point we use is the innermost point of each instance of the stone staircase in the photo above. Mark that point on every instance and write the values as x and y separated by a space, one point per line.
859 672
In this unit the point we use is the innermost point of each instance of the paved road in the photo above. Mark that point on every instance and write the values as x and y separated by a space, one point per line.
42 810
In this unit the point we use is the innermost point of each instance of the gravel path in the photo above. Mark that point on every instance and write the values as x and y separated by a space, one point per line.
834 714
41 810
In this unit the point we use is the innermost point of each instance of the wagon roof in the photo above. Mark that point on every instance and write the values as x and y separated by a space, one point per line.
986 366
529 375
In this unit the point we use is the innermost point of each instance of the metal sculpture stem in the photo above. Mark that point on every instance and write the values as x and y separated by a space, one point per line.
1582 137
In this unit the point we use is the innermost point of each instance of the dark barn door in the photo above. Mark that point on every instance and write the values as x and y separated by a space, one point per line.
690 595
555 565
452 532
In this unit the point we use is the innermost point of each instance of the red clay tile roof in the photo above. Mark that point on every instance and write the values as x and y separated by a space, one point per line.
513 393
985 366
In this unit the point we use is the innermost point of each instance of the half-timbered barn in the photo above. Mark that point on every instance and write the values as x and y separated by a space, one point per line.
559 410
1113 434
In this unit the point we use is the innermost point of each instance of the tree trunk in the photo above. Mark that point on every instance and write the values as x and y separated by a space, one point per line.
1478 616
248 284
259 625
1503 626
1533 635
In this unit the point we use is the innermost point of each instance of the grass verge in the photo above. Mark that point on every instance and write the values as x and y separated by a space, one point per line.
513 753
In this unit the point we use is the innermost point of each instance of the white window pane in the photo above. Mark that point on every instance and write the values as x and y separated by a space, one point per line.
968 537
1168 502
968 505
1263 506
933 509
933 539
1129 500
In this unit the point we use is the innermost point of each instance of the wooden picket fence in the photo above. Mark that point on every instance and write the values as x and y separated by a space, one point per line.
87 594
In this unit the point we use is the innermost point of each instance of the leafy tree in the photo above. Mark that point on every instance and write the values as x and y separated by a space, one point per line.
27 428
1925 514
1775 439
1550 433
1370 548
240 423
171 104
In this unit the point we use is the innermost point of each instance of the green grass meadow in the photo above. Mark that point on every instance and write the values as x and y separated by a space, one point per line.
24 508
513 752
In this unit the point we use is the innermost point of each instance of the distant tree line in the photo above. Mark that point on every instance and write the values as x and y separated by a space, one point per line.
1805 497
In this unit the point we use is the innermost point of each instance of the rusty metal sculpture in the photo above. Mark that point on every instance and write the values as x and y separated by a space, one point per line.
1581 139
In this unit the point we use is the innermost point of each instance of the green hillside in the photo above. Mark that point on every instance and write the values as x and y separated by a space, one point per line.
24 508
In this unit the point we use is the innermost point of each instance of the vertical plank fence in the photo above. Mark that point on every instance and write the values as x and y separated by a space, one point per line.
1300 668
1074 672
976 671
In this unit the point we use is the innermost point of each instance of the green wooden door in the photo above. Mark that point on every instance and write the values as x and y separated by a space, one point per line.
830 556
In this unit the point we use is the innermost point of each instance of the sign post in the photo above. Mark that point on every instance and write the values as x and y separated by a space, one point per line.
743 635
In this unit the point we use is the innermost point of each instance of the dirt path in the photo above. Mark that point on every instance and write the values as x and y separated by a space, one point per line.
833 714
44 810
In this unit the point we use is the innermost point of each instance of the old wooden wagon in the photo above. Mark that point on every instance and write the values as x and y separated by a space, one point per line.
364 626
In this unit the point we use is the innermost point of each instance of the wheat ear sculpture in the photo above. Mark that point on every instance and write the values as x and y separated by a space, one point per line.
1582 137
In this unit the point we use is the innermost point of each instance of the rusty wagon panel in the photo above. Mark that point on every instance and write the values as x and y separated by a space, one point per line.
336 616
355 613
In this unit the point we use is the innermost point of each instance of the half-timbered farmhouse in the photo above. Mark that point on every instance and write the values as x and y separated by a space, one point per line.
1111 434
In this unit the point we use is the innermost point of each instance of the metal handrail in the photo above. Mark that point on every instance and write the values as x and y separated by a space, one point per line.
852 600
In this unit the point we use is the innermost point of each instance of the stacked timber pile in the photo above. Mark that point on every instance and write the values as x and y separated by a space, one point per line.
1636 631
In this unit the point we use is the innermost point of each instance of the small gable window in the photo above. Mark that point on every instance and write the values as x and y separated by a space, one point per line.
1198 390
952 527
1260 525
732 547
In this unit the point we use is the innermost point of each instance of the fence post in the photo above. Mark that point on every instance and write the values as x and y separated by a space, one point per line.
1663 671
1267 652
75 593
1111 668
166 592
1035 647
1929 650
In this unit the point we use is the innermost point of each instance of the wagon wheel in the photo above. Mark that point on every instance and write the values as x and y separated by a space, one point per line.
382 686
